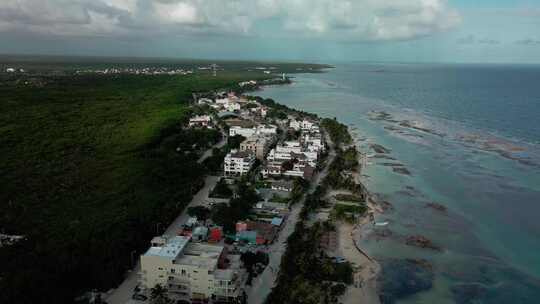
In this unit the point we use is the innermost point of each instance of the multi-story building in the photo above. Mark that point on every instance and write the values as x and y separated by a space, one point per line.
238 162
248 131
257 144
244 131
304 124
204 121
267 130
192 270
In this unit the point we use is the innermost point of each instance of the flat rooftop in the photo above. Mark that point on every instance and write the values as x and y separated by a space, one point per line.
200 255
172 248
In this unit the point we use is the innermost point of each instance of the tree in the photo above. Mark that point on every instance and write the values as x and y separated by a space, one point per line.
158 295
200 212
234 141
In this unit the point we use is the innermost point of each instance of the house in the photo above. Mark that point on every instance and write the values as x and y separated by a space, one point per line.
304 124
238 163
204 101
197 271
266 129
216 234
200 121
222 101
271 169
256 144
246 132
199 234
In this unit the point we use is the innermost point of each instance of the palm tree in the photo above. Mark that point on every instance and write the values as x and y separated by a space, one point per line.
158 295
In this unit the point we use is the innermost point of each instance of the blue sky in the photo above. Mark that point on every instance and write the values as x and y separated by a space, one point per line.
498 31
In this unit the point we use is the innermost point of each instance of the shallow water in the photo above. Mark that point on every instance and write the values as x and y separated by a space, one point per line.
470 137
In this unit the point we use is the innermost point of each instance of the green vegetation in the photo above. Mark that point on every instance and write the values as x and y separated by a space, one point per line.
339 176
348 213
306 275
349 198
233 142
200 212
221 190
91 168
338 132
239 208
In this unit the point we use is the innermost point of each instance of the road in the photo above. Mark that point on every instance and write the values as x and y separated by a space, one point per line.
123 293
263 284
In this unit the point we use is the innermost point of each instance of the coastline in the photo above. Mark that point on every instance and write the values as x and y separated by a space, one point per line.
367 269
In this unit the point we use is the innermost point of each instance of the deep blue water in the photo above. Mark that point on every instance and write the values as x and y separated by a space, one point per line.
474 149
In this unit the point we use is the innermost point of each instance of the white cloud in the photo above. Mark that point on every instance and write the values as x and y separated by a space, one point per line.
348 20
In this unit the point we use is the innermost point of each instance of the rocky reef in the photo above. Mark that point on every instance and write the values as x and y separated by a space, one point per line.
401 278
421 242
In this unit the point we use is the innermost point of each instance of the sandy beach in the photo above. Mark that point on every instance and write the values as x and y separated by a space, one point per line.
364 288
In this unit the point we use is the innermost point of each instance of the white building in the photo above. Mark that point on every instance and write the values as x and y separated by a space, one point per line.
204 101
289 146
302 125
203 121
238 130
267 129
222 101
238 163
190 270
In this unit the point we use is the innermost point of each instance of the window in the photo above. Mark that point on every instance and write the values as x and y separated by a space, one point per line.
173 270
183 272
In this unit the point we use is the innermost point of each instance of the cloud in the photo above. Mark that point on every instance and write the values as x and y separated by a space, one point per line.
349 20
471 39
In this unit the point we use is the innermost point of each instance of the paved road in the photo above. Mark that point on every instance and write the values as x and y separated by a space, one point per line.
123 293
263 284
208 152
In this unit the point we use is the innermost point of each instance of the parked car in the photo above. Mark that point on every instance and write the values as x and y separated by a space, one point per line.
139 297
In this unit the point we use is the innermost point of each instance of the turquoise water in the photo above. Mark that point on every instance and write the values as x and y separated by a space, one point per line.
474 147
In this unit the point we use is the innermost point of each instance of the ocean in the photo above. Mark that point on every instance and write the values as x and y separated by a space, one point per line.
462 170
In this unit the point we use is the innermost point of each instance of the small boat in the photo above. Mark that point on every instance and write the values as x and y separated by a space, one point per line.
381 223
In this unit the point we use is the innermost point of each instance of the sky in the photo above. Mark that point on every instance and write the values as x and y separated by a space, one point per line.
461 31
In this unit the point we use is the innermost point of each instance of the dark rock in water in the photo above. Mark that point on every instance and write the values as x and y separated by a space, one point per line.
468 293
383 156
402 278
382 232
401 170
379 115
421 242
411 125
385 205
379 149
391 164
436 206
